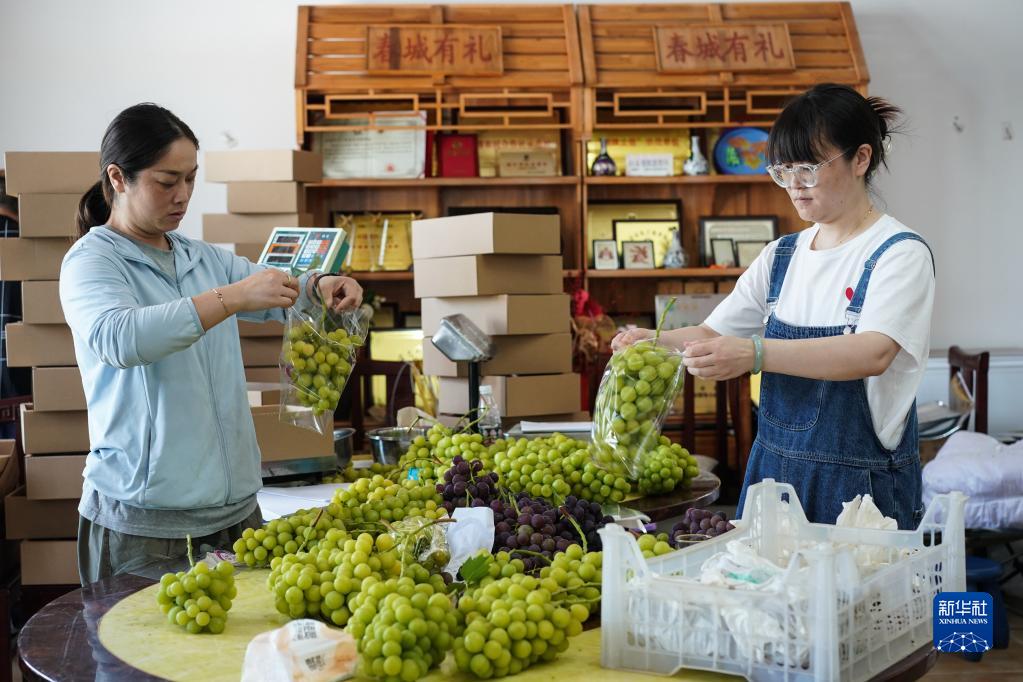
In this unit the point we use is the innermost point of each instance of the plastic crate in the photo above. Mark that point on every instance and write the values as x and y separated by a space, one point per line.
826 622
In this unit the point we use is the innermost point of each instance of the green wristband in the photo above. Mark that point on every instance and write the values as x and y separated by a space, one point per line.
758 354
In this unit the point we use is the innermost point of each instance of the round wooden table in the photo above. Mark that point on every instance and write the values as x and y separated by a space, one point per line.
61 642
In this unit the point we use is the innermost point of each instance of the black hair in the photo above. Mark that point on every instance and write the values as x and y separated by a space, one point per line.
832 115
135 140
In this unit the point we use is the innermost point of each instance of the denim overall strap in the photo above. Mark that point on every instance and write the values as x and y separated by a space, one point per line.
852 313
782 257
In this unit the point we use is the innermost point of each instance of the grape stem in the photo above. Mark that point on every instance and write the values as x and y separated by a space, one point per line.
319 515
530 553
188 546
575 524
664 315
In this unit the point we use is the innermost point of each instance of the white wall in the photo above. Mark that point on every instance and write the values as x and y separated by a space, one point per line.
67 67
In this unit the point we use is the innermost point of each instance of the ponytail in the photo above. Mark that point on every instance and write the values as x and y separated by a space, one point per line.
93 208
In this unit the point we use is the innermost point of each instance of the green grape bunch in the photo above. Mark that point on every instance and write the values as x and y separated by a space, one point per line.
636 392
198 600
318 364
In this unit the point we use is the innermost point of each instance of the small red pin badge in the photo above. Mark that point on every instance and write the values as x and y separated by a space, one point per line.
848 293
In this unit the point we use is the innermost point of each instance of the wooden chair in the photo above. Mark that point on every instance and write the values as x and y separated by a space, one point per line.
974 369
734 412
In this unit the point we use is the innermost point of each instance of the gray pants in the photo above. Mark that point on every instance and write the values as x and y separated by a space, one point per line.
103 552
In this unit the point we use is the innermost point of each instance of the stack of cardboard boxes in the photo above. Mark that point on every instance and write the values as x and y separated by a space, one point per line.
54 428
503 272
265 189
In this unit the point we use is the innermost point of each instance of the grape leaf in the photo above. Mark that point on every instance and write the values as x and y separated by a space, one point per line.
476 568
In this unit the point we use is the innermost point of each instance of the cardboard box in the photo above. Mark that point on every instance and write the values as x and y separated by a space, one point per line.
261 329
51 172
40 302
25 259
517 396
40 345
270 165
263 375
32 519
54 477
524 354
486 233
45 433
264 394
279 441
502 315
57 389
48 215
49 562
9 472
260 351
248 228
488 275
265 197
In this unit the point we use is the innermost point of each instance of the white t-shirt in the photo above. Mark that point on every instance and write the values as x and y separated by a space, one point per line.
817 290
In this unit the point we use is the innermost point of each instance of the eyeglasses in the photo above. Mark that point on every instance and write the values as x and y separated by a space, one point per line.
800 174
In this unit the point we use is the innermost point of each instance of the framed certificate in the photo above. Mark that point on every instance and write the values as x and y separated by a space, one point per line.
723 252
737 228
747 251
379 241
375 153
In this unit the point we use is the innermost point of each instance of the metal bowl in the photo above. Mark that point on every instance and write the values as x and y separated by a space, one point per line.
389 443
343 446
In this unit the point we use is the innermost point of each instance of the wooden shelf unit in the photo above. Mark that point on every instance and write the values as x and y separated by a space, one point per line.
573 72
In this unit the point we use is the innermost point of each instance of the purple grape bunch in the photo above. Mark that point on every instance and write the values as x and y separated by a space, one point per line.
699 524
537 527
466 485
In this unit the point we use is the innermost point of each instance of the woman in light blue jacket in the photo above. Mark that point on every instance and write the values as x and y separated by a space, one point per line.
154 320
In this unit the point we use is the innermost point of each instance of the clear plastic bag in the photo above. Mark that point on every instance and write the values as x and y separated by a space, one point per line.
639 386
422 541
317 357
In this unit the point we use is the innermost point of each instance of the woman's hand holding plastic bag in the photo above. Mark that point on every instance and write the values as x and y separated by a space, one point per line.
317 358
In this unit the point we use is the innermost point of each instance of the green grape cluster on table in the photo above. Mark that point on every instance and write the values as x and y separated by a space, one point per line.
198 600
403 627
319 364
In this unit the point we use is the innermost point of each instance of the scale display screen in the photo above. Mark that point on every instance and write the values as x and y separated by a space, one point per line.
298 249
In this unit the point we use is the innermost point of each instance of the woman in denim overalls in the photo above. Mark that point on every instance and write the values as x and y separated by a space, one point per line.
823 426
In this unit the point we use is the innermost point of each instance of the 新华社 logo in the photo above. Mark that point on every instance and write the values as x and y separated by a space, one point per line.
963 622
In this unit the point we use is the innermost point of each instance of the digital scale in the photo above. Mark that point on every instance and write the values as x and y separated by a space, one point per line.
297 249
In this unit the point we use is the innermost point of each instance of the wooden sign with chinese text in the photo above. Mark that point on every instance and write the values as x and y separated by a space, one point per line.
727 47
448 50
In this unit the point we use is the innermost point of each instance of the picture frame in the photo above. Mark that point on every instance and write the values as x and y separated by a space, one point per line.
605 254
412 320
736 228
747 251
638 254
370 246
601 214
722 252
660 232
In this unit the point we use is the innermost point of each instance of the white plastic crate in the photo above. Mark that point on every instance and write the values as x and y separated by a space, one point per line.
827 622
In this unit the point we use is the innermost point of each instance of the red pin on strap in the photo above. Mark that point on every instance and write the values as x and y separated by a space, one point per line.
848 293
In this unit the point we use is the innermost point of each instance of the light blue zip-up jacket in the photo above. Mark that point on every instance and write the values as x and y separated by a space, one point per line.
169 419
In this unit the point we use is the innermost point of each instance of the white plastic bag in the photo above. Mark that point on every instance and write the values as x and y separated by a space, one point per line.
304 650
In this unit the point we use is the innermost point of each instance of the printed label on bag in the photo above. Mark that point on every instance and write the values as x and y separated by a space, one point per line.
963 622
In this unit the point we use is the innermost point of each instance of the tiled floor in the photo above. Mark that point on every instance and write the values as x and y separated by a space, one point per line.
997 665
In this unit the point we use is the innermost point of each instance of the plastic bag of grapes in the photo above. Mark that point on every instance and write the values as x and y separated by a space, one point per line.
317 357
636 392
